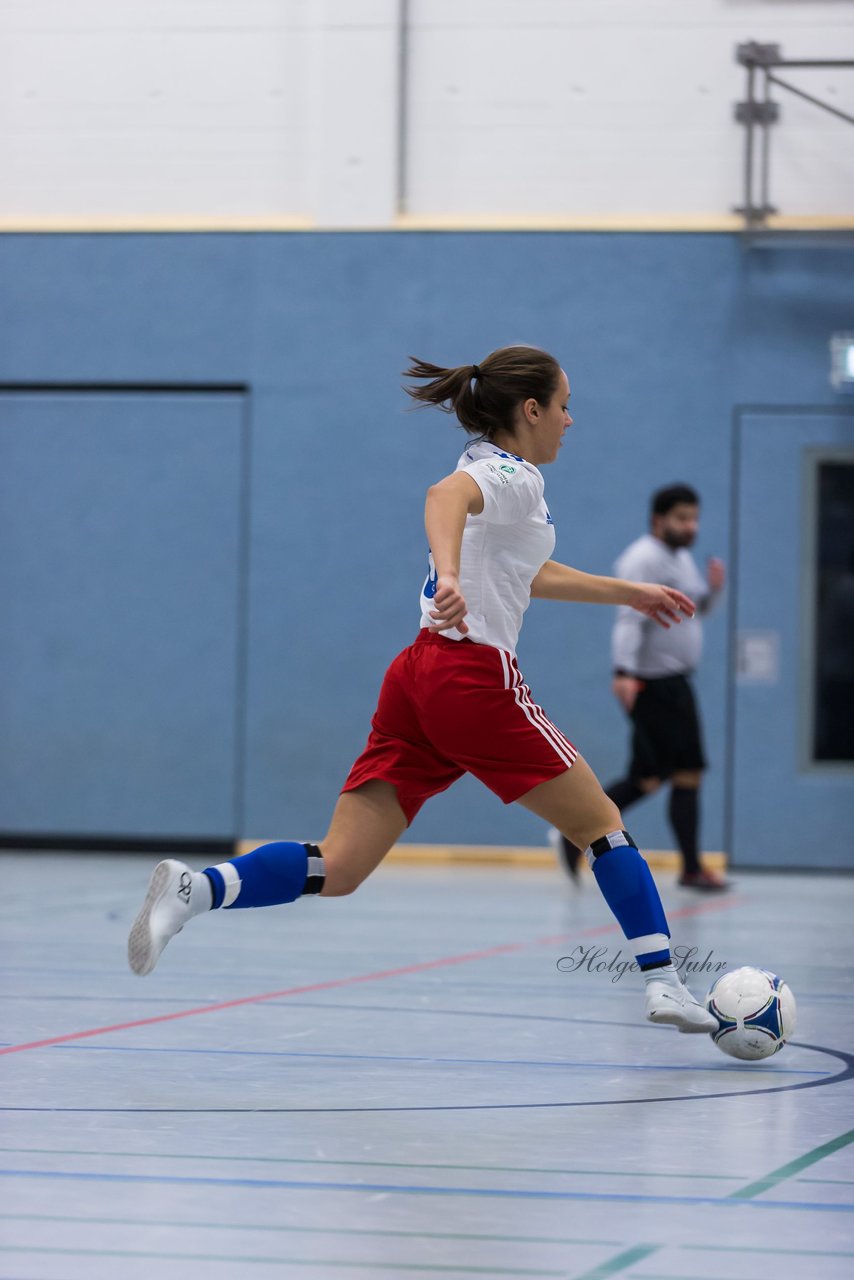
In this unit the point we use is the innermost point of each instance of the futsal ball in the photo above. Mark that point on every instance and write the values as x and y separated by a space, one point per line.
755 1010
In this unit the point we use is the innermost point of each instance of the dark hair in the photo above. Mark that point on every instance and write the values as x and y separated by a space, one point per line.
484 396
665 500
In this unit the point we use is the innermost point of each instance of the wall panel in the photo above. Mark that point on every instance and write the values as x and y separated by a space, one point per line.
120 643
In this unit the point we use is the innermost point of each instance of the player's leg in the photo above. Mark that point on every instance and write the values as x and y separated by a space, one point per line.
683 811
395 773
365 825
682 744
625 792
646 767
642 777
574 802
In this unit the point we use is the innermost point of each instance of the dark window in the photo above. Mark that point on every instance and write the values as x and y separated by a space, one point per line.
833 718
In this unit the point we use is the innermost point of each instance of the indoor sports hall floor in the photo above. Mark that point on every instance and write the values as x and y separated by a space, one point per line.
403 1083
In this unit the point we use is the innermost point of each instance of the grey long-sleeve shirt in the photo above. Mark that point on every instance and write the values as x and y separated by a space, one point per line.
642 647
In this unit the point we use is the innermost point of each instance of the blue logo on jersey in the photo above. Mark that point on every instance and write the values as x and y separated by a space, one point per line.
548 517
431 584
496 453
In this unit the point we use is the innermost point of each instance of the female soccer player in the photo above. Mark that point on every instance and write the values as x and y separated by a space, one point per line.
454 701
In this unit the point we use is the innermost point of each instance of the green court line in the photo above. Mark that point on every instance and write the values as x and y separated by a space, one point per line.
626 1258
399 1267
377 1164
794 1166
760 1248
427 1234
619 1263
753 1189
838 1182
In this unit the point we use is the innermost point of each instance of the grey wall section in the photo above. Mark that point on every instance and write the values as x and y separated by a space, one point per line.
661 335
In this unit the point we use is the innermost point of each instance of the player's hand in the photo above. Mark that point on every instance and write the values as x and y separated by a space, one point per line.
450 610
626 690
665 605
716 574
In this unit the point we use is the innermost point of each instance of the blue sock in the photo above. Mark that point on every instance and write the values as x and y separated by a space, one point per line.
629 890
273 873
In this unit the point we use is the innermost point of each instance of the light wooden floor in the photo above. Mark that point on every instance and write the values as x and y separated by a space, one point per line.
403 1083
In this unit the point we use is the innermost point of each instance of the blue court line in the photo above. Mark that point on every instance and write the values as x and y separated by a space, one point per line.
329 1264
83 997
505 988
847 1059
729 1068
426 1233
391 1188
459 1013
128 998
431 1009
381 1008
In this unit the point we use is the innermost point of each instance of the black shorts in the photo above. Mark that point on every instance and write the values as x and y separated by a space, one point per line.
667 735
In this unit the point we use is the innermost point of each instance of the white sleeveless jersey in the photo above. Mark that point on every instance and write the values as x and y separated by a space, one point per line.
503 548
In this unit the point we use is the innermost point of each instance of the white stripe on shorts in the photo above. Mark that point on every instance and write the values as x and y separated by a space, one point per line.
505 668
562 747
540 716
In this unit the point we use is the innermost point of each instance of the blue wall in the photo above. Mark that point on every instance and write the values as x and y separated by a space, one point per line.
661 335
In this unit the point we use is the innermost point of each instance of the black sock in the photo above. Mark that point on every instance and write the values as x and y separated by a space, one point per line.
684 814
624 793
570 856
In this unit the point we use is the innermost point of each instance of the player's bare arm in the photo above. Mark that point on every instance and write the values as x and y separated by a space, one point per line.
448 505
561 582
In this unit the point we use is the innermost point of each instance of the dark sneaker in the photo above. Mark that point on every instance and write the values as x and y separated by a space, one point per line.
709 880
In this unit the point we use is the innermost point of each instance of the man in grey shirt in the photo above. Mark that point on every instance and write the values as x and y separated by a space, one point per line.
651 681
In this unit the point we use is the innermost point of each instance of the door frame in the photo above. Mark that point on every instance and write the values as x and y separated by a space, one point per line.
814 455
739 413
122 841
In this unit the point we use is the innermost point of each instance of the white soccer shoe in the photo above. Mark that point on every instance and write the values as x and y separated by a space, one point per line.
166 910
671 1004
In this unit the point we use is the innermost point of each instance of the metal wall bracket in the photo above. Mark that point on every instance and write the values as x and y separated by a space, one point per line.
758 112
754 54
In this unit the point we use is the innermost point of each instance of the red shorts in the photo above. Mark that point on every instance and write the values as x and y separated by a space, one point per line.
449 707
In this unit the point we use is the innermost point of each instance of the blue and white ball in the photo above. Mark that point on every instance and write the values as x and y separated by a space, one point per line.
756 1013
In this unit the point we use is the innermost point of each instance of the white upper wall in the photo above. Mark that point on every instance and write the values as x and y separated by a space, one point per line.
608 108
198 111
124 108
242 112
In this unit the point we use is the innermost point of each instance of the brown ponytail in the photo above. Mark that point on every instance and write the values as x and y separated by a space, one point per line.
484 396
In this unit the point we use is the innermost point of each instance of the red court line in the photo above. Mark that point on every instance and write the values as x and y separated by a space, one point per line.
504 949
